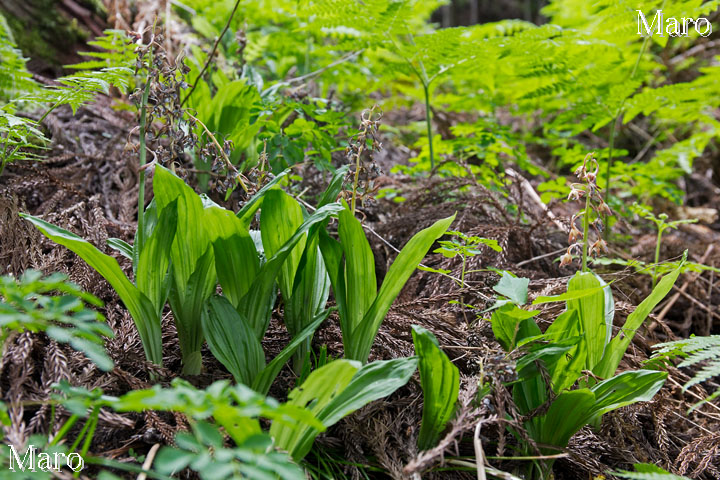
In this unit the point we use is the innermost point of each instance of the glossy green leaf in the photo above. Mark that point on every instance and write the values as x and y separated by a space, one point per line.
280 217
440 381
310 294
360 282
591 315
248 211
151 273
187 303
511 324
231 340
264 379
141 308
255 305
362 337
336 390
618 345
236 258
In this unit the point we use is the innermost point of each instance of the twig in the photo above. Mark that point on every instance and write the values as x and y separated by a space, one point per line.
148 461
220 150
479 454
539 257
317 72
212 54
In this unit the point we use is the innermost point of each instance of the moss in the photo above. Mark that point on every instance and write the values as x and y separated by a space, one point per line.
42 32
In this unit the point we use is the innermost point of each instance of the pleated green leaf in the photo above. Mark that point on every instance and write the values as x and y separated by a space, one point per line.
336 390
140 307
618 345
280 217
231 340
363 336
154 260
440 381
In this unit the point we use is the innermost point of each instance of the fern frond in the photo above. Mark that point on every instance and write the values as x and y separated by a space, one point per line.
696 351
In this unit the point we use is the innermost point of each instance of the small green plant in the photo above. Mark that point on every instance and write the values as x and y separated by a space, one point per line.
661 224
440 381
26 306
464 246
351 266
580 358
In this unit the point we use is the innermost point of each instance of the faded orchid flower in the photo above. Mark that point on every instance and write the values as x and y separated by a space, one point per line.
594 206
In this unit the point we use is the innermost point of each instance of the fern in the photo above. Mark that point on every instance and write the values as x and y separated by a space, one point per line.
14 77
703 352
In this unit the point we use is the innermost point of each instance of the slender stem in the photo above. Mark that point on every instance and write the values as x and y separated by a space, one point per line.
586 231
220 150
142 157
64 429
356 178
212 54
657 255
429 126
462 274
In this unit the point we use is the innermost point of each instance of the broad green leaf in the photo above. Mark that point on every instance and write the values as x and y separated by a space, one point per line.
255 305
625 389
236 258
280 217
332 254
315 394
264 380
360 282
231 340
187 305
591 315
333 189
565 371
191 240
310 294
141 308
152 268
362 337
618 345
440 381
511 324
514 288
567 414
336 390
125 249
248 211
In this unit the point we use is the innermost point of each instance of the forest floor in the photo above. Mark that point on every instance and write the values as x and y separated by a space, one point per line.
88 185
